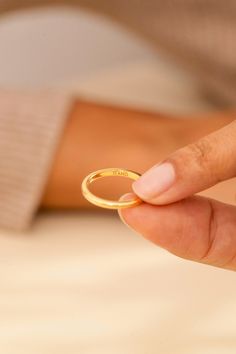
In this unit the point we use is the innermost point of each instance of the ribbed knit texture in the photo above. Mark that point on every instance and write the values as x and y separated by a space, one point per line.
30 128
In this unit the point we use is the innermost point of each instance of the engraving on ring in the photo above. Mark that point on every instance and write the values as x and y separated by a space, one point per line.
120 173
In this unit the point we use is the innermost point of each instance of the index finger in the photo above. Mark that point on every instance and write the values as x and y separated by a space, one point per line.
191 169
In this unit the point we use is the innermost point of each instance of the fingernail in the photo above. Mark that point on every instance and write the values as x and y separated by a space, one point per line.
155 181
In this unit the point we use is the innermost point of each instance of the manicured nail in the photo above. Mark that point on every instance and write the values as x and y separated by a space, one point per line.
155 181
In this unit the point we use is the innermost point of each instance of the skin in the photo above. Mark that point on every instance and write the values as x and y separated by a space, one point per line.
98 136
201 229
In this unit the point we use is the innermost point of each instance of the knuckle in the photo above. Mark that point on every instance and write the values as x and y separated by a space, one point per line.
200 152
201 157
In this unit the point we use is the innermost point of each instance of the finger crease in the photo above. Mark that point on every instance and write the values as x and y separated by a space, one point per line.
212 227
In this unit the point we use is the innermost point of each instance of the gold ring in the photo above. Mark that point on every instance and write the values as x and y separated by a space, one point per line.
105 203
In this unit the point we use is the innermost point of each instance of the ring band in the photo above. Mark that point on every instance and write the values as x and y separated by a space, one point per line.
105 203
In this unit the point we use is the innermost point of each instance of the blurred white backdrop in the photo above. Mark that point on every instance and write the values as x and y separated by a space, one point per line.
56 44
88 54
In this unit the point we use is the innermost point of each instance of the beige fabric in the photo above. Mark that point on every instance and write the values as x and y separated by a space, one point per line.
199 34
30 127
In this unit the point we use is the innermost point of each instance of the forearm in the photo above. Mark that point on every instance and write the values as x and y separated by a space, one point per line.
98 136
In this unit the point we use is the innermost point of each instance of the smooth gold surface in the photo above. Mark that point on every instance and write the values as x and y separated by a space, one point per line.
105 203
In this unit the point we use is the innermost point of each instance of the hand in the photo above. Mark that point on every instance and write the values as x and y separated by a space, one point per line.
192 227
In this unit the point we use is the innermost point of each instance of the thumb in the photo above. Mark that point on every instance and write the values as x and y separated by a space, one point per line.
191 169
195 228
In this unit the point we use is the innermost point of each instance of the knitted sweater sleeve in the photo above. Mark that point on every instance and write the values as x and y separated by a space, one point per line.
30 128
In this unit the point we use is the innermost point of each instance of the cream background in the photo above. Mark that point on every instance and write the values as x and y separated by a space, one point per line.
83 282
